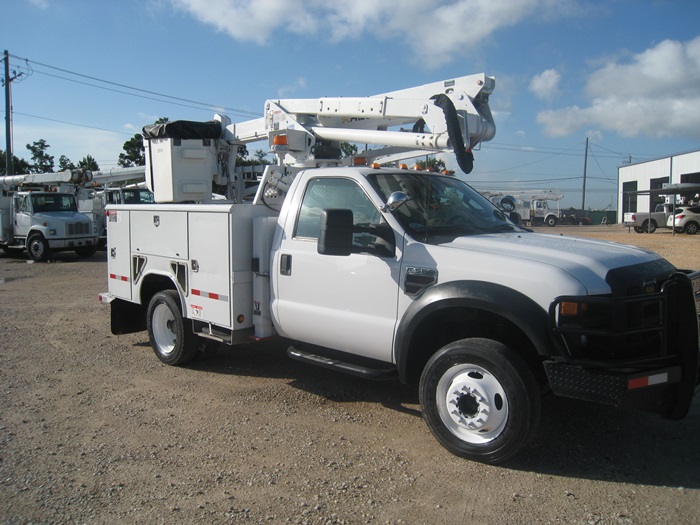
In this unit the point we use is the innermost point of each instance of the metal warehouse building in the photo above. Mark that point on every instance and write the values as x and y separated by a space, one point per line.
640 185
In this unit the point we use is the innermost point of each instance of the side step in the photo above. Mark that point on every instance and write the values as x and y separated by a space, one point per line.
342 366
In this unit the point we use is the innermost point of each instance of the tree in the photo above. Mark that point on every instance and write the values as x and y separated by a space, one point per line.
88 164
437 165
134 154
19 166
43 162
260 157
64 163
347 149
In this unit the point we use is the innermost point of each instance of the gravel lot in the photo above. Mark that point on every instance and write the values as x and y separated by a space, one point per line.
93 429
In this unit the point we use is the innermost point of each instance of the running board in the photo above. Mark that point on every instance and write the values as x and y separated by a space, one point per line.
341 366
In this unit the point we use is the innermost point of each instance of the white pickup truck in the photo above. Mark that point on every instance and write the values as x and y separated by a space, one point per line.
648 222
385 272
395 273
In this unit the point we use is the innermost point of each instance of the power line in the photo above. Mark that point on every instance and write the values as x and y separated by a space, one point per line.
71 123
240 112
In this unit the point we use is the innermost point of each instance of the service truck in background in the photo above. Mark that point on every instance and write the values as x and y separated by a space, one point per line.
42 220
394 273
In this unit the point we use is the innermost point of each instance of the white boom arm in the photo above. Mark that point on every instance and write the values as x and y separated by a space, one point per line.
75 177
455 112
183 157
62 177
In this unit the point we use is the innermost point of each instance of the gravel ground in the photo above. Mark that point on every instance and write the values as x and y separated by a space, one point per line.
94 429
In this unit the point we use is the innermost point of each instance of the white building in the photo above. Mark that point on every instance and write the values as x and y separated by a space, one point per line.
640 182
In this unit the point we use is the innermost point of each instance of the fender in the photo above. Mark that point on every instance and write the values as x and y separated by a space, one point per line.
505 302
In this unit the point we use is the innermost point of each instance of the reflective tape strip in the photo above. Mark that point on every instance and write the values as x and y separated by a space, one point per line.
123 278
210 295
641 382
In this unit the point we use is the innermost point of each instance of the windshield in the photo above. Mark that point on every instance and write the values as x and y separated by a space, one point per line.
440 207
44 202
138 196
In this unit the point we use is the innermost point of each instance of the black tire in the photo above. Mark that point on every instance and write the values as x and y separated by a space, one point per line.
171 338
480 400
638 229
551 221
37 247
649 226
691 228
86 251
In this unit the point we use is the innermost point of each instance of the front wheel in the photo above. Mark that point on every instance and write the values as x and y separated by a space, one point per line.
479 399
551 221
37 247
170 337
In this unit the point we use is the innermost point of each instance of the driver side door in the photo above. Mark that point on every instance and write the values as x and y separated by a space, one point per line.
347 303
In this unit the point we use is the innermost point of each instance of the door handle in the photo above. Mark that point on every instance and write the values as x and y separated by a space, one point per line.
286 264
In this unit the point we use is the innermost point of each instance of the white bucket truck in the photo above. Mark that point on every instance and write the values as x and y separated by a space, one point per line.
43 221
384 272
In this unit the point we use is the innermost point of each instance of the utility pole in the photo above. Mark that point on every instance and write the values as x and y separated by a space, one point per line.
585 165
7 82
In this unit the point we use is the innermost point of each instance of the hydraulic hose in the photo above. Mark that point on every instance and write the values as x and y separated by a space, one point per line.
465 158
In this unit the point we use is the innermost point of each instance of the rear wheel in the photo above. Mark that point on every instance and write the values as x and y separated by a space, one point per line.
37 247
479 399
171 338
649 226
691 228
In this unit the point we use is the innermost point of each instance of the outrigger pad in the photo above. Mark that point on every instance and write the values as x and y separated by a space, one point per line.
183 129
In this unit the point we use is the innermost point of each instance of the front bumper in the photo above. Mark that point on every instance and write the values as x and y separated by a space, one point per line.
638 352
71 243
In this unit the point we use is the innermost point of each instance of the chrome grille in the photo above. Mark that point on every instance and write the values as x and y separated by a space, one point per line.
78 228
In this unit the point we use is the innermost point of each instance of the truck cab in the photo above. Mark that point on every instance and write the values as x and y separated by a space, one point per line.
42 222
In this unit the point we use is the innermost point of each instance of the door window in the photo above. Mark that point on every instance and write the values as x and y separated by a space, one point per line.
337 193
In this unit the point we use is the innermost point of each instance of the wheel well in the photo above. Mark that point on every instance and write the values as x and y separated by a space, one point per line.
152 284
446 326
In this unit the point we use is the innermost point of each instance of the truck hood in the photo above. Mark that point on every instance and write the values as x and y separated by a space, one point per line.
65 216
586 260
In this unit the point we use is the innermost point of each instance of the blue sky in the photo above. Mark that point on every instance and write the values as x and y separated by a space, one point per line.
623 73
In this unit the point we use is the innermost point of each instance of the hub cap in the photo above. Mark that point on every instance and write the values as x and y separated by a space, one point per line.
163 332
472 403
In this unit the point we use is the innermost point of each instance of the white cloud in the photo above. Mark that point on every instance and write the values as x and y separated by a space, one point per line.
285 91
546 85
41 4
657 93
460 24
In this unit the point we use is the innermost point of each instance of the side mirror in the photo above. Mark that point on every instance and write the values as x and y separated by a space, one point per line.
335 237
395 200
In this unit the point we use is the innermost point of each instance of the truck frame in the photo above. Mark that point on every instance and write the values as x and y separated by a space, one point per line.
393 273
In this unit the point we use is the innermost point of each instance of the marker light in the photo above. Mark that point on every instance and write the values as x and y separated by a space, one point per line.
279 140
